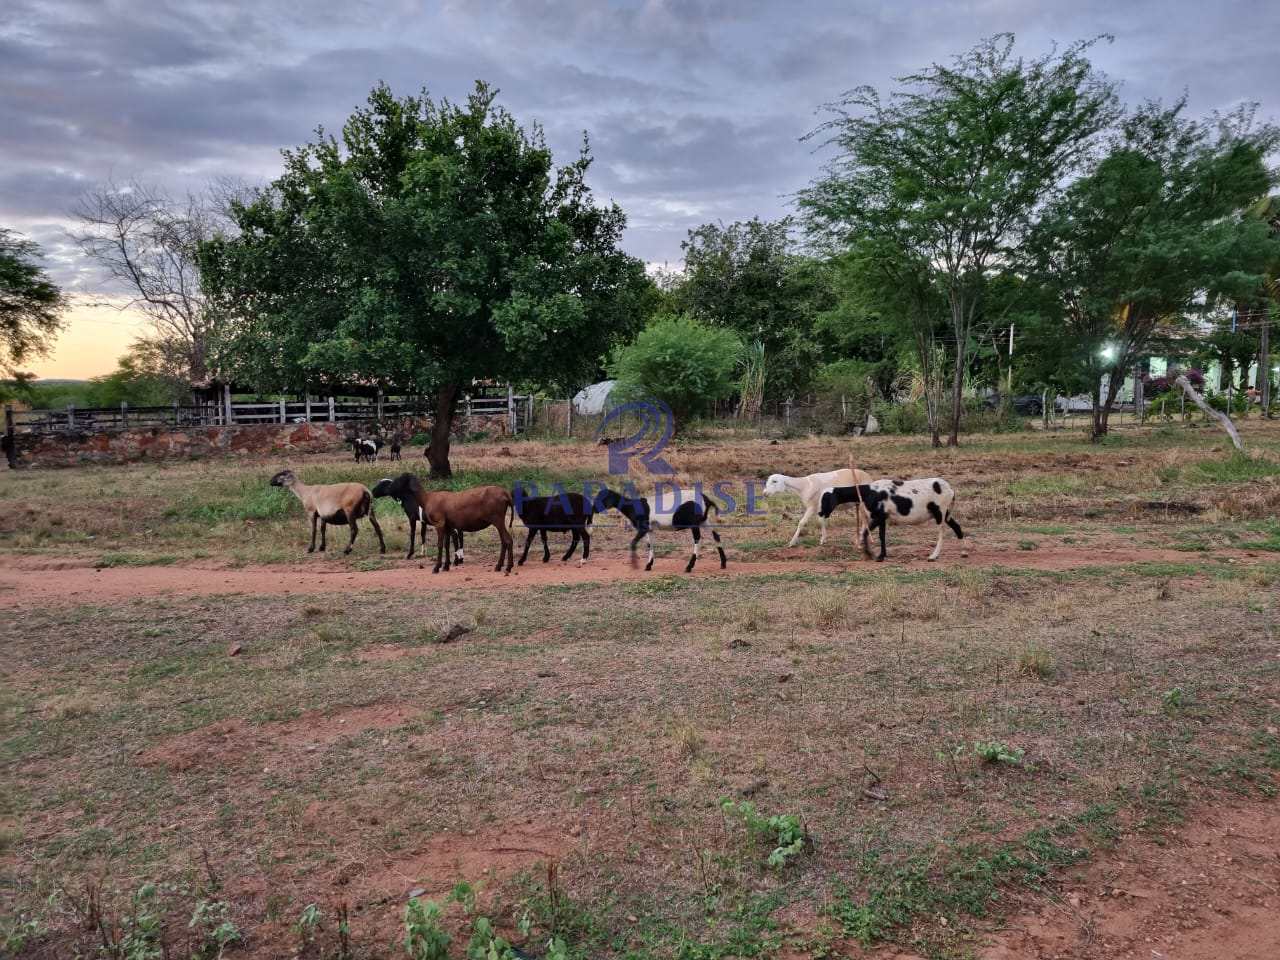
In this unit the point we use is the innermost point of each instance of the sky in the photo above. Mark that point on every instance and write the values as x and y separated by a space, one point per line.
694 109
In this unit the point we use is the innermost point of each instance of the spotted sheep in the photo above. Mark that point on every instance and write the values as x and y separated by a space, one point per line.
366 448
673 509
905 501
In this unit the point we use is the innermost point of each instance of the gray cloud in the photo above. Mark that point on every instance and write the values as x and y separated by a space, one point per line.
694 107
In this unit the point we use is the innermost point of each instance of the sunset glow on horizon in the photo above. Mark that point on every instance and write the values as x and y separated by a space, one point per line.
95 336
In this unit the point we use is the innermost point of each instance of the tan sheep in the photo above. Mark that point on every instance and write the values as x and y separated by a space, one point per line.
332 503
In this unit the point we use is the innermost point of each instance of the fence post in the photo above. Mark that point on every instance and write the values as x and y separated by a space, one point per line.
844 409
307 414
568 417
71 416
229 416
284 411
10 441
175 413
511 409
787 413
332 413
124 414
379 405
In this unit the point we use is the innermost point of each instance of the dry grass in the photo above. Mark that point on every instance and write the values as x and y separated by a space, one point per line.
602 725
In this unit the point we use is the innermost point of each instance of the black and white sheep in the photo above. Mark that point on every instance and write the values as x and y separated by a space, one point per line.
366 448
563 512
905 501
676 510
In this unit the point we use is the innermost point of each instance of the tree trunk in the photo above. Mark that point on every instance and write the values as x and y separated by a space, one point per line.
957 399
438 450
1102 411
1264 362
1222 418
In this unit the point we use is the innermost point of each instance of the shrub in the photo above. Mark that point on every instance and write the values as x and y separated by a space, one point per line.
686 364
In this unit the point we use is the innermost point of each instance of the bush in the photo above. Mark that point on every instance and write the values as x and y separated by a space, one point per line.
850 380
686 364
904 418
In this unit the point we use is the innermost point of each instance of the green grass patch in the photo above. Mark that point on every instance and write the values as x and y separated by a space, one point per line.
1237 468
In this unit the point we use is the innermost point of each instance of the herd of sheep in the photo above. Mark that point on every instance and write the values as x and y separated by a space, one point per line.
455 513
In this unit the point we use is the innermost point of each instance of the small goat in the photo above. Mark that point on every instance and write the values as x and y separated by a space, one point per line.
906 501
688 510
562 513
395 449
452 514
366 448
810 490
332 503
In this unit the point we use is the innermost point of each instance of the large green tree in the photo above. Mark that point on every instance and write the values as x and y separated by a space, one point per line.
432 245
748 277
950 169
31 305
1155 234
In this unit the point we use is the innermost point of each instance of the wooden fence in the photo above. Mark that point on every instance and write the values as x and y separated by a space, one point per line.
517 410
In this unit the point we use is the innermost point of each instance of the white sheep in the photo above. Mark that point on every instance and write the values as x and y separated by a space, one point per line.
810 490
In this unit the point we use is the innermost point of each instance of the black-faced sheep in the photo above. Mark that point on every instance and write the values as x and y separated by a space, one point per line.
676 510
563 512
905 501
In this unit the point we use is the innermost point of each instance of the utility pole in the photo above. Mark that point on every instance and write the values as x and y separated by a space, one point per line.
1264 361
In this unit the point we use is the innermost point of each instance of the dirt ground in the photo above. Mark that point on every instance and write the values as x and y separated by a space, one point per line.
25 581
186 700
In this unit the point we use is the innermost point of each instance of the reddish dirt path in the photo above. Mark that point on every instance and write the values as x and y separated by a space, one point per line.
28 580
1211 893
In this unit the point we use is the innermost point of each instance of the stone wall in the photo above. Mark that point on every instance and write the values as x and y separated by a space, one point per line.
193 443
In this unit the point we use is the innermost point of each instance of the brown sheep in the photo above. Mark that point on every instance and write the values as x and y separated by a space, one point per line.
466 511
332 503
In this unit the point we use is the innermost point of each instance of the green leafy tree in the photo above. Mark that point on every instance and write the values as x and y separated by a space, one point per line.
747 277
31 305
1154 234
684 363
950 169
432 246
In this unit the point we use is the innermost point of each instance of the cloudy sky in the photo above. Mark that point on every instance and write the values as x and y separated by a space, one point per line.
694 107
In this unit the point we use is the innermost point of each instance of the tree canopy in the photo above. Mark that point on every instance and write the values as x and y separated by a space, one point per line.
31 305
950 169
433 245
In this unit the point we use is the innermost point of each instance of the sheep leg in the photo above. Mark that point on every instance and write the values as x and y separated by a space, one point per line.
458 556
715 535
315 519
382 543
573 545
586 545
324 526
822 531
546 550
441 533
354 531
527 540
648 537
883 522
809 511
413 531
937 518
635 540
508 547
697 542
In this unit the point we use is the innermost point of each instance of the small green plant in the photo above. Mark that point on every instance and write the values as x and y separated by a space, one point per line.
1173 701
785 831
211 918
308 923
424 937
994 751
1026 544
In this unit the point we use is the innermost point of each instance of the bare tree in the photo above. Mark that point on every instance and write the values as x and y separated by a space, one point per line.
147 241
